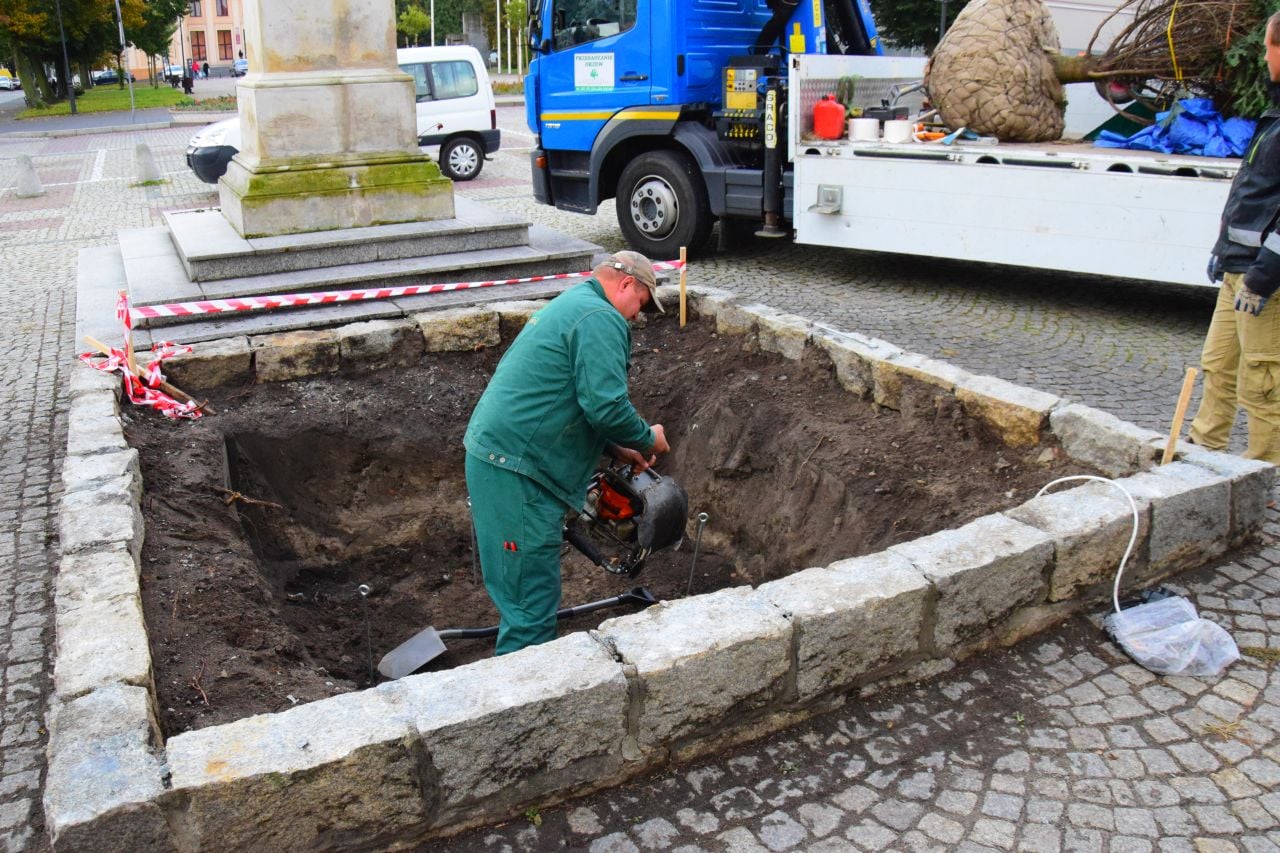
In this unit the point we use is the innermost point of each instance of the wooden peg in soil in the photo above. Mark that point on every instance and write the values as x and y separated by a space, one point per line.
1180 412
683 298
129 358
171 390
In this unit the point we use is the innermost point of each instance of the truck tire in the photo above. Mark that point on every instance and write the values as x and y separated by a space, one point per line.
662 205
461 158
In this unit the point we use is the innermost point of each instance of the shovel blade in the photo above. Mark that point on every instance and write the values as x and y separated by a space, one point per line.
413 654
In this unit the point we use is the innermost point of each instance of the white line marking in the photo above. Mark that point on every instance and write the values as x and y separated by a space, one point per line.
99 164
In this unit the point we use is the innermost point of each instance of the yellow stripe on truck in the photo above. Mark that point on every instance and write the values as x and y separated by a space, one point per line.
630 115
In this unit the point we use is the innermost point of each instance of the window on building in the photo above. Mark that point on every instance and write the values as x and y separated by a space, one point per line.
195 9
224 44
222 9
197 46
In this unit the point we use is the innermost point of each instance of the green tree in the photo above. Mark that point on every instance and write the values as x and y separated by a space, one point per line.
160 20
913 23
412 23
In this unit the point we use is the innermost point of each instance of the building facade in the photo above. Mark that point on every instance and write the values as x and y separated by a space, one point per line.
212 31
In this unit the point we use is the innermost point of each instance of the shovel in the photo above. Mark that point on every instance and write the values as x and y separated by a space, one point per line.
428 644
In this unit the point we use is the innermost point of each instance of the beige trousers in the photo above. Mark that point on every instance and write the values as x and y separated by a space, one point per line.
1241 364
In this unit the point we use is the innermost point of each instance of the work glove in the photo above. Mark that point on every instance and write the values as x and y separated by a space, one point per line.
1250 302
1213 270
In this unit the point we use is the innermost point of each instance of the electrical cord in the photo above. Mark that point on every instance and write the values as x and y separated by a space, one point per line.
1133 537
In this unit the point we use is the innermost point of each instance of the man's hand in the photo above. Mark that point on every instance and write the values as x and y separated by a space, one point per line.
1249 302
660 439
635 458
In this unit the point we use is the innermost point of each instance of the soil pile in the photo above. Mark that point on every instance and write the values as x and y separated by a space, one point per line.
255 606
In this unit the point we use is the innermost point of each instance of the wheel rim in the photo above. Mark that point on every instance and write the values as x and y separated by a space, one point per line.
654 207
463 160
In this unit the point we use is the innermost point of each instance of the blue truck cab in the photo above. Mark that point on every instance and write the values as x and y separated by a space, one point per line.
674 107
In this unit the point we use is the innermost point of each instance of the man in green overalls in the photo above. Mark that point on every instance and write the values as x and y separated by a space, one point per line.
556 402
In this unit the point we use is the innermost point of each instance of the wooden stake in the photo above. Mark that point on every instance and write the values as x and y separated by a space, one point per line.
171 390
129 357
683 298
1180 412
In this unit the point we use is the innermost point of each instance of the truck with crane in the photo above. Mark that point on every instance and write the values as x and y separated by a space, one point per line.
693 112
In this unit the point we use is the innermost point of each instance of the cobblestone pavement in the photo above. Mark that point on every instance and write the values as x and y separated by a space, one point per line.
1057 744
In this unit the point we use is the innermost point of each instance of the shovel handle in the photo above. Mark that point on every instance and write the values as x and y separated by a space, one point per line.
639 595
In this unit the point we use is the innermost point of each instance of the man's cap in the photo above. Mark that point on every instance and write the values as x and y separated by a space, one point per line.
635 264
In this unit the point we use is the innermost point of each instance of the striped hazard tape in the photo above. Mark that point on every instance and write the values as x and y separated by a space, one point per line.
329 297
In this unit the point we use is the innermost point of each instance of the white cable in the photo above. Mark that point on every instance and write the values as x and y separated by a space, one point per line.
1133 537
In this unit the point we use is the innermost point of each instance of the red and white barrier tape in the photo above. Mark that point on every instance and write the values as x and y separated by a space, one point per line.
143 390
292 300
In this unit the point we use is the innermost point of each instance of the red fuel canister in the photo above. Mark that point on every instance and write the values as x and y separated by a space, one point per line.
828 118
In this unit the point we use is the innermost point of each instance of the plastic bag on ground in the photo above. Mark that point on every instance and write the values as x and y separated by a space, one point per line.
1168 637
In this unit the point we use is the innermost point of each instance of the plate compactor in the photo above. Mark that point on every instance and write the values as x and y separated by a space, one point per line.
628 516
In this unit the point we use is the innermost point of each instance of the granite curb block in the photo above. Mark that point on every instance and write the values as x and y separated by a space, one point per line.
437 753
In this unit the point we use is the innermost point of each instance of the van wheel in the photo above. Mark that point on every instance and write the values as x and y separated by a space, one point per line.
662 204
461 159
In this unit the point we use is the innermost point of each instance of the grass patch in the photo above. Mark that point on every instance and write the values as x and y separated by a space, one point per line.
1265 655
502 87
220 104
111 98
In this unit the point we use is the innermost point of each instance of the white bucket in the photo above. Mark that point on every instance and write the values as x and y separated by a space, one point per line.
897 130
864 129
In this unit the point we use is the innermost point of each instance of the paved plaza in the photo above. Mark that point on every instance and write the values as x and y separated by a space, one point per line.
1059 743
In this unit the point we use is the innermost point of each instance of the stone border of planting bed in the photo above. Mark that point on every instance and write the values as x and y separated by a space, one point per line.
435 753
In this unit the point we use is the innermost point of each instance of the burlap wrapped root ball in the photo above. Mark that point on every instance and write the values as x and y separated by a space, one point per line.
993 72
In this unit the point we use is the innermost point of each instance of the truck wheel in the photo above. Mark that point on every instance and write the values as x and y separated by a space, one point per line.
662 204
461 159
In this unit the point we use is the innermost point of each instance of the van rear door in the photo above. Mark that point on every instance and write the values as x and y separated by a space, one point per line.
451 95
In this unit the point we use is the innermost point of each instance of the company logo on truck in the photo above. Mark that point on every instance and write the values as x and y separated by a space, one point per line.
593 72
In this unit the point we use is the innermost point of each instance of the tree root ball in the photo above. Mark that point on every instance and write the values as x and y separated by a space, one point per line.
993 72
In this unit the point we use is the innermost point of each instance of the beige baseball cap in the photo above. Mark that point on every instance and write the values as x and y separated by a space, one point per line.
636 264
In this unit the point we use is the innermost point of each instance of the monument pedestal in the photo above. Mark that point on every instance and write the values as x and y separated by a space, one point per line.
324 197
328 127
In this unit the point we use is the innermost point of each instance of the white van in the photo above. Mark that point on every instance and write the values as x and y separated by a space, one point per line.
454 103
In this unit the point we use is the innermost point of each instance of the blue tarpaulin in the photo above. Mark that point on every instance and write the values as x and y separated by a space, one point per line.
1193 126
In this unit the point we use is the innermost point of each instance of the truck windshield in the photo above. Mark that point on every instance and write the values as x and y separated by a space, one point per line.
580 21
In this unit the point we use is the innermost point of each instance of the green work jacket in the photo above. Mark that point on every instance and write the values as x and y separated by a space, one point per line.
560 394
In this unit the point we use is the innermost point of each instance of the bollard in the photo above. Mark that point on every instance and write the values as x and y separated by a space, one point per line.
28 182
145 162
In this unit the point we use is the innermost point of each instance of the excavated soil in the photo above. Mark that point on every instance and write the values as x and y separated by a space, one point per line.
255 606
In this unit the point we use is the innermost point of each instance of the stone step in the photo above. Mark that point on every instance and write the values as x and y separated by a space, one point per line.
164 281
209 249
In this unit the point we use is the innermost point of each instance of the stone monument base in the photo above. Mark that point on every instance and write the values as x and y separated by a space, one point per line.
327 196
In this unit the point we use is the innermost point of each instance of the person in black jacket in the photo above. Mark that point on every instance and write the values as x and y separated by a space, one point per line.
1241 357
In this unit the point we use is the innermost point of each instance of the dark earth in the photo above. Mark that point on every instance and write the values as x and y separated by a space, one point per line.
253 604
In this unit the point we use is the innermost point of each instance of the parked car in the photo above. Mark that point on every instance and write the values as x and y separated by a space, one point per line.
110 76
8 81
455 110
173 74
239 68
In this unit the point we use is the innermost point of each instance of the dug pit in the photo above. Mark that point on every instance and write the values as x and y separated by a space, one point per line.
264 521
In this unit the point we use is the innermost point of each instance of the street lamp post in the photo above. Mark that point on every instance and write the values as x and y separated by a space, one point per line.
433 23
942 20
66 63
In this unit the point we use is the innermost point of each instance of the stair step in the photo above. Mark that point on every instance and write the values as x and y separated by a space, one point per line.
209 249
161 281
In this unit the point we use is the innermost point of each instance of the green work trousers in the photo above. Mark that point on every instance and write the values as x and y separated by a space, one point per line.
519 531
1241 363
